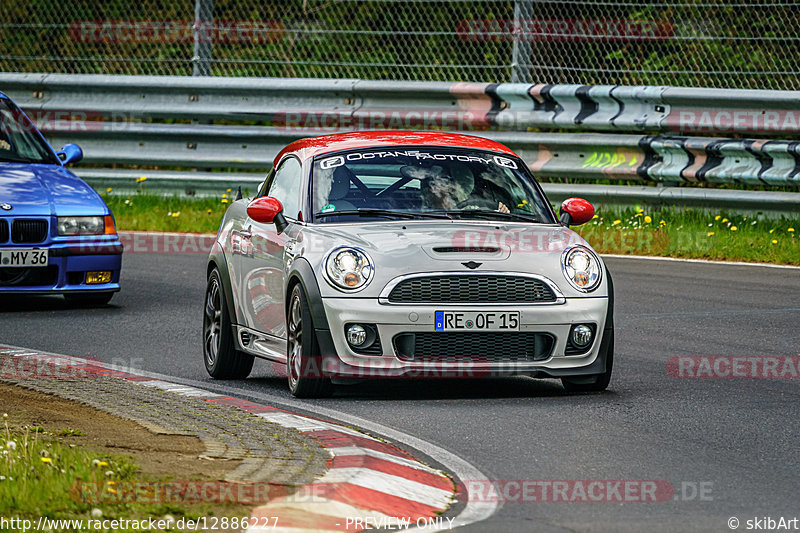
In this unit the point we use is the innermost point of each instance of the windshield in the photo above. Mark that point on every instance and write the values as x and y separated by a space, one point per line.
20 141
426 182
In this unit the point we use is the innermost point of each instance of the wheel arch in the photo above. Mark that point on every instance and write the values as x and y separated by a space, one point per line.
302 273
217 260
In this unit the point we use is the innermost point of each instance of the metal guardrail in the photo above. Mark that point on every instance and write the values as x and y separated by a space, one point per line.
239 124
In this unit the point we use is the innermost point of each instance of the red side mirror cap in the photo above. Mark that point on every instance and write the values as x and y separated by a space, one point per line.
579 210
264 209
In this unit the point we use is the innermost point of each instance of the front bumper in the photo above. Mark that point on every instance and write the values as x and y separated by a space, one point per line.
67 267
391 320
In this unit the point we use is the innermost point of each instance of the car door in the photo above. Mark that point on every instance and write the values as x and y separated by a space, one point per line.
262 261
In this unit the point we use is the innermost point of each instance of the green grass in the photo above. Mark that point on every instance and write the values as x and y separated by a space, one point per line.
147 212
693 233
689 233
41 477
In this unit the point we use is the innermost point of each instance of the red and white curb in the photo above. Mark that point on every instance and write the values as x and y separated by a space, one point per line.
369 483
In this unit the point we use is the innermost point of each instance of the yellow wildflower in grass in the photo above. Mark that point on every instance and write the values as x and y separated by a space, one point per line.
45 459
176 214
717 217
228 190
710 233
774 241
724 220
734 228
647 219
638 214
224 195
139 180
101 463
596 216
790 230
209 211
109 189
224 200
772 230
617 222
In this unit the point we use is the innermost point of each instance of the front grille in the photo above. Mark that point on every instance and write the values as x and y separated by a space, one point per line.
471 289
3 230
28 230
473 346
29 277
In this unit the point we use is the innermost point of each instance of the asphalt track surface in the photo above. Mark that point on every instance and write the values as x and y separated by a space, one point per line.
739 437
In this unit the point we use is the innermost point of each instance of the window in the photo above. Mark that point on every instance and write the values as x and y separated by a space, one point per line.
286 185
462 183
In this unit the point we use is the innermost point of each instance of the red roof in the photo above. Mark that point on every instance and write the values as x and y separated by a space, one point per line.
314 146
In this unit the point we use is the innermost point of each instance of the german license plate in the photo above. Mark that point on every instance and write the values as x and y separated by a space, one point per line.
476 321
23 258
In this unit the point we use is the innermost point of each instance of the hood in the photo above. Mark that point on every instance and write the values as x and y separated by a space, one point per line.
407 247
33 189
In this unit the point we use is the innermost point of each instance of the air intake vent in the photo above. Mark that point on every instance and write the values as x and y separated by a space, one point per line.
246 338
476 347
28 231
466 250
3 230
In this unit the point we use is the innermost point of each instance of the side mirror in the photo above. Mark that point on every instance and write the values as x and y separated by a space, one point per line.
267 210
70 153
576 211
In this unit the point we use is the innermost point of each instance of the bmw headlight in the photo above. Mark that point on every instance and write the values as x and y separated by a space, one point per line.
581 268
348 269
68 226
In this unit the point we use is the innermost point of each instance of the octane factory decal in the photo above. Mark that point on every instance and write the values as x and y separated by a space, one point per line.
337 161
6 207
504 162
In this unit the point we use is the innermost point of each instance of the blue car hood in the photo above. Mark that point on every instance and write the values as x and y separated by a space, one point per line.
46 190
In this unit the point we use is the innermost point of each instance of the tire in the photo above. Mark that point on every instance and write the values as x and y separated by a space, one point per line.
222 359
303 358
91 298
596 382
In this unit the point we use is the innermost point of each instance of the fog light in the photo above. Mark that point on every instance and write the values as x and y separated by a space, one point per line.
96 278
356 335
581 335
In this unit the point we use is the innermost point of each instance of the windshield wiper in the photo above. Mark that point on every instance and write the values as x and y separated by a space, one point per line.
368 212
482 213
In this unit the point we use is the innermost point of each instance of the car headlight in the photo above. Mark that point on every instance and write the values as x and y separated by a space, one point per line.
68 226
348 268
581 268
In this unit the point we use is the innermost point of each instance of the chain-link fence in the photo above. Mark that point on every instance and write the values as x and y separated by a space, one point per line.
709 43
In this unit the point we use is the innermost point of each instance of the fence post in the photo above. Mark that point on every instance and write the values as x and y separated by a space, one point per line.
203 37
521 55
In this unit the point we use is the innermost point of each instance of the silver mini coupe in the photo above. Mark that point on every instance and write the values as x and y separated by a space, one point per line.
406 254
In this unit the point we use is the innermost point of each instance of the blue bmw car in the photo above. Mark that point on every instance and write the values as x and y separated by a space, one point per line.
57 235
